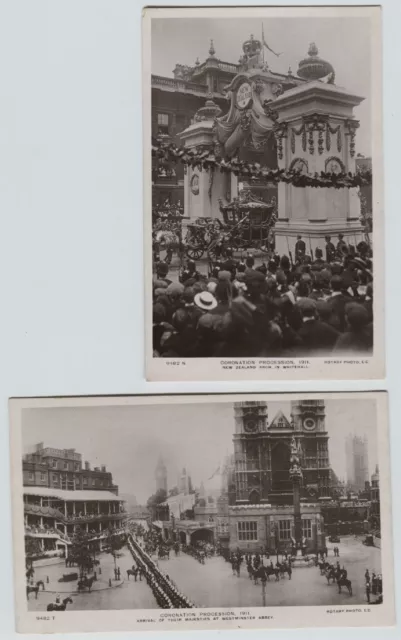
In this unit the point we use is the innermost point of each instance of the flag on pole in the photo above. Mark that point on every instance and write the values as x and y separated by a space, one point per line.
215 473
267 46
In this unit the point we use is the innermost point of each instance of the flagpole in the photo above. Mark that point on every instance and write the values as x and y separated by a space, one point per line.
263 44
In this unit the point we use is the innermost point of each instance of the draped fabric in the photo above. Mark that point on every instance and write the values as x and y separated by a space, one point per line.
253 124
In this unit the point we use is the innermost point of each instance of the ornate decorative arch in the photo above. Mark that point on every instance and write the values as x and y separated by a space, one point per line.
332 161
299 164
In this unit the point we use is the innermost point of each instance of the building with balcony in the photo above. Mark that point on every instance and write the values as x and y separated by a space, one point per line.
60 495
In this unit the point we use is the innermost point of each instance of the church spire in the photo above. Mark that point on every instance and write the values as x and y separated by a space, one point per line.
212 50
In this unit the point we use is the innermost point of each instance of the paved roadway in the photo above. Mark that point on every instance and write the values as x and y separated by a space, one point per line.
213 584
128 595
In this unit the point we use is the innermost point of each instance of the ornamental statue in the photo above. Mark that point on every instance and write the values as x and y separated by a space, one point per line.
295 459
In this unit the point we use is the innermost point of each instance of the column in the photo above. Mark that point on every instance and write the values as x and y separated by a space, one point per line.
85 508
297 513
65 509
42 544
98 508
87 527
73 507
41 502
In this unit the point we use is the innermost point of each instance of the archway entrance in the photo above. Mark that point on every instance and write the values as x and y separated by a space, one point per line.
183 538
202 535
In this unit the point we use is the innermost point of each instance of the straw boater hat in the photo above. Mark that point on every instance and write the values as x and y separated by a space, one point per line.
205 300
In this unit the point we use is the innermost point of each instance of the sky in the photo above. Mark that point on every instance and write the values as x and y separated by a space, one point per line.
130 439
344 42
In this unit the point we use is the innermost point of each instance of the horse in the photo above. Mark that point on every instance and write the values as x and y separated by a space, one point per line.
59 607
86 583
344 582
132 572
284 568
331 574
34 589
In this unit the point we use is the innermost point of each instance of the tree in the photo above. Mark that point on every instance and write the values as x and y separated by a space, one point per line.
80 550
32 550
113 544
157 498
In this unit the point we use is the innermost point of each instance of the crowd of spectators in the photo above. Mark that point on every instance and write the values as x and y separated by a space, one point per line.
279 309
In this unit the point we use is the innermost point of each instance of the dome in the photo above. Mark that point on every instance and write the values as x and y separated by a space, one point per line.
313 67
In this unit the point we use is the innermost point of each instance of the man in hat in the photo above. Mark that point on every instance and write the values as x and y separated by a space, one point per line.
162 271
337 302
300 249
330 249
342 247
359 334
316 336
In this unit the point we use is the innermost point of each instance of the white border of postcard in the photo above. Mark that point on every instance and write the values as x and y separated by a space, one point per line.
217 618
329 368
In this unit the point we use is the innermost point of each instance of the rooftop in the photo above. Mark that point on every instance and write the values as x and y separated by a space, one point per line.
63 494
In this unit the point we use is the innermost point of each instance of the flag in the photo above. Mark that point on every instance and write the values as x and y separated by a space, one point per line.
215 473
267 46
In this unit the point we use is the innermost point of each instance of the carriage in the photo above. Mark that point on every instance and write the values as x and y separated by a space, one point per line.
250 222
247 224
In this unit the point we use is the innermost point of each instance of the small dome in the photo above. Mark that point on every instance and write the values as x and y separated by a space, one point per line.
313 67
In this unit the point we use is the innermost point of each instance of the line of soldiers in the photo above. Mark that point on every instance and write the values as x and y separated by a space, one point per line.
165 592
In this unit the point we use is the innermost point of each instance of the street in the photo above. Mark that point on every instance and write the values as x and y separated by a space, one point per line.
213 584
126 594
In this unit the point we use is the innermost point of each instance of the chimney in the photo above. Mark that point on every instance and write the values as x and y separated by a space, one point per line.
87 466
96 468
39 447
103 468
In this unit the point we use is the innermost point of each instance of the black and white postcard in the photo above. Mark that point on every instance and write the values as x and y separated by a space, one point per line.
263 201
201 512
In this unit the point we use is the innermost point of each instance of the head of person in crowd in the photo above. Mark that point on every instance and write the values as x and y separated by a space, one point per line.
211 286
303 289
224 275
255 284
285 263
272 267
205 300
188 296
241 267
159 313
175 291
162 269
337 283
323 310
307 308
223 292
357 316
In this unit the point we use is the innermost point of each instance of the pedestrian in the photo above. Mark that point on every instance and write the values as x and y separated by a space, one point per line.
367 590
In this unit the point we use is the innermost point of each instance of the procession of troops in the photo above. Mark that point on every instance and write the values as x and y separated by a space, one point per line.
316 304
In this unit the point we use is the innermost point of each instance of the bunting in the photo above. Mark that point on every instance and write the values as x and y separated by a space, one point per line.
206 159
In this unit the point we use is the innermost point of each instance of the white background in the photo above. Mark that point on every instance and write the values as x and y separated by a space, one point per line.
71 249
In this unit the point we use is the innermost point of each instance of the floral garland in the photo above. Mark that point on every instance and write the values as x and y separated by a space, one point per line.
206 159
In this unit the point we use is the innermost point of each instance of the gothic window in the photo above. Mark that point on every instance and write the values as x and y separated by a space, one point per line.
307 528
284 529
248 530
